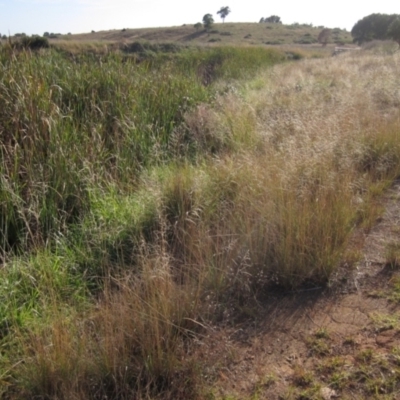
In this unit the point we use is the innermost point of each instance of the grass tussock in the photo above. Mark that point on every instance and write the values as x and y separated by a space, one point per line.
140 216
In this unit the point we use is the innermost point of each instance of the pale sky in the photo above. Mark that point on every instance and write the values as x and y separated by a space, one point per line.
80 16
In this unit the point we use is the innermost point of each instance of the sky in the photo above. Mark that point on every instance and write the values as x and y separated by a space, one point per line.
81 16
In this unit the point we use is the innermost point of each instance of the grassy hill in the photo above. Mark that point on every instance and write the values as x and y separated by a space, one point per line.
228 33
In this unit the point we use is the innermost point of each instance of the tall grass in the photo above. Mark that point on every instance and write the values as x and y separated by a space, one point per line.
70 122
146 217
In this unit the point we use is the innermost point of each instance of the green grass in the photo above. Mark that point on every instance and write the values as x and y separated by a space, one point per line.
93 119
139 195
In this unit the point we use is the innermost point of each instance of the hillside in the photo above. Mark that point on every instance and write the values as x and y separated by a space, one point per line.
227 33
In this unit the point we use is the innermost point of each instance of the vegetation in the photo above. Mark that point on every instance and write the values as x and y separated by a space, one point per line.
375 27
394 30
184 35
51 35
143 191
273 19
32 42
224 12
208 21
198 25
324 36
87 143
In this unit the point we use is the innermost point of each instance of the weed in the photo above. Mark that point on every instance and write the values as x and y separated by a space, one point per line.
393 255
331 365
322 333
318 344
338 380
302 377
365 356
384 322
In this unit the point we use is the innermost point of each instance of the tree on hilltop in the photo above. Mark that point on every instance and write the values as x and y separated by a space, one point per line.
273 19
224 12
208 21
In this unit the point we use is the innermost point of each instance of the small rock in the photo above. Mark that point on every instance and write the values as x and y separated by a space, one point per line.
328 393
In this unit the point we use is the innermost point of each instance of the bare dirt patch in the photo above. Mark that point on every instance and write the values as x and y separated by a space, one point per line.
341 341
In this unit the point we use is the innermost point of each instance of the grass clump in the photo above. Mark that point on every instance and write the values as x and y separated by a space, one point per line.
393 255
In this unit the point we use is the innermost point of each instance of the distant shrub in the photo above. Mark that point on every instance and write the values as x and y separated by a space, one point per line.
93 31
291 55
273 19
208 21
145 48
123 30
341 41
51 35
324 36
226 34
273 42
33 42
248 36
20 35
214 31
306 40
213 40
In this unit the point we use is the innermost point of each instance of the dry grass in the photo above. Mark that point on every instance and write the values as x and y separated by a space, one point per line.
300 151
296 157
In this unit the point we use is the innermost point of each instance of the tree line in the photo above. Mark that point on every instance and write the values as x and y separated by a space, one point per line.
377 27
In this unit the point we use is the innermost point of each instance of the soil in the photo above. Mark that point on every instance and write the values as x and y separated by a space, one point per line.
340 341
